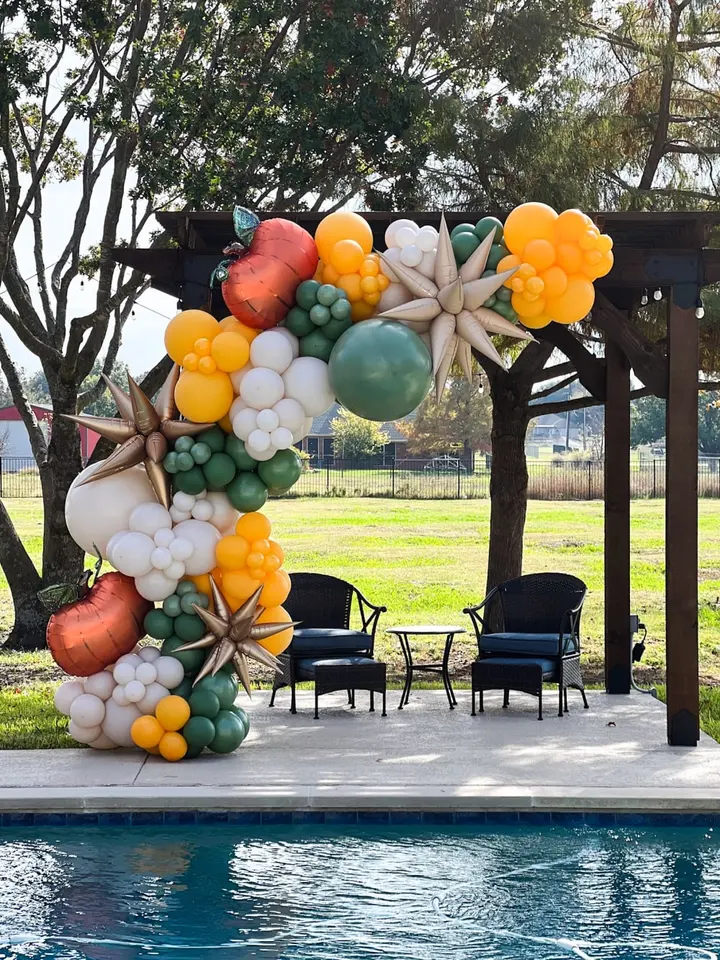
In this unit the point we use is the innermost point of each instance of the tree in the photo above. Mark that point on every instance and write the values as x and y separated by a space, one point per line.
647 421
460 420
355 438
38 391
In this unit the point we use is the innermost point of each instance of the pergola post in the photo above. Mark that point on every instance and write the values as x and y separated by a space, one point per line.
681 527
617 521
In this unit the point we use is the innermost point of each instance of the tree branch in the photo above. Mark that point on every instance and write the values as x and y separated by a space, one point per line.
548 391
35 434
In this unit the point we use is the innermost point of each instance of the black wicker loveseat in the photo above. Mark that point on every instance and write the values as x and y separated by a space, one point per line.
529 634
324 647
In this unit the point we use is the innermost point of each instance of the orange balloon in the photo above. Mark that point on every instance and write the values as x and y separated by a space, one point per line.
362 310
255 560
606 264
201 582
342 225
330 275
527 308
588 239
369 267
383 282
239 585
204 398
529 221
172 712
371 298
276 589
540 253
185 328
257 573
173 747
231 325
146 732
534 286
230 351
231 552
570 226
225 423
271 563
604 243
280 641
569 257
347 256
369 285
253 526
277 550
202 347
350 283
555 280
575 303
206 365
536 323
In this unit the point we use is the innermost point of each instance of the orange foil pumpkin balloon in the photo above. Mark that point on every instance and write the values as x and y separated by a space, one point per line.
86 636
270 262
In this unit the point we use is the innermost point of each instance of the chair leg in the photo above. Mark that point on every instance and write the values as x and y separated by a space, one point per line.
540 716
481 699
352 701
384 711
582 694
560 694
372 702
272 697
506 699
565 698
349 697
317 715
293 707
472 710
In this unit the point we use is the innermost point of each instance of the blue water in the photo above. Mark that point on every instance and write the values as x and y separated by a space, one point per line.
313 893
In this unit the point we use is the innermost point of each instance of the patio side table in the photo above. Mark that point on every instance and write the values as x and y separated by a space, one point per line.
403 634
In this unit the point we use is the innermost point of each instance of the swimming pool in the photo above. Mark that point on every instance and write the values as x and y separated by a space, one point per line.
355 893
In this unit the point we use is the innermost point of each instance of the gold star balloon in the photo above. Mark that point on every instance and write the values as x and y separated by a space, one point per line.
450 307
234 637
142 431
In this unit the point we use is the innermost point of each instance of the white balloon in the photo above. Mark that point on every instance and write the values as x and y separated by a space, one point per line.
132 554
392 231
164 537
203 493
66 693
237 405
306 380
202 510
259 440
103 743
261 455
149 518
304 430
170 672
153 695
146 673
393 255
95 511
112 543
426 267
118 721
123 673
84 734
184 501
405 237
238 376
100 685
290 414
131 658
427 239
87 711
135 691
262 387
411 255
156 585
204 538
282 438
268 420
395 294
119 696
244 423
179 515
149 654
161 558
224 513
291 338
272 350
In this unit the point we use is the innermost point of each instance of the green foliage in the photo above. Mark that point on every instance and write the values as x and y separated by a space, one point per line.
459 420
29 720
355 438
647 422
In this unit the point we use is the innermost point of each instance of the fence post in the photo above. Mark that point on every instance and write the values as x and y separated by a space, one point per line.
654 463
327 475
458 478
393 479
589 479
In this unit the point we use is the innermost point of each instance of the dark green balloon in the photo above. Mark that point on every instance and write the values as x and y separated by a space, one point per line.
191 660
190 481
298 322
464 245
462 228
184 587
380 370
281 470
189 627
188 600
170 463
319 315
235 448
171 605
201 452
336 328
185 461
342 295
223 686
158 625
497 252
486 225
505 310
184 689
490 302
184 444
316 344
306 294
219 470
204 703
193 753
214 438
243 717
341 310
504 293
198 731
247 493
229 733
327 295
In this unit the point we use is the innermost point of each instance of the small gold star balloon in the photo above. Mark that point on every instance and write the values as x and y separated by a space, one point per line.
234 637
142 432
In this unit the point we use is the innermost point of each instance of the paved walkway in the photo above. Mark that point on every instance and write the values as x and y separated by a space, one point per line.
612 756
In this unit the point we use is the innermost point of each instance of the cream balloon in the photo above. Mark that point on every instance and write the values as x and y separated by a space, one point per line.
66 694
271 350
148 518
224 513
118 721
306 380
204 538
395 295
100 685
156 585
84 734
103 743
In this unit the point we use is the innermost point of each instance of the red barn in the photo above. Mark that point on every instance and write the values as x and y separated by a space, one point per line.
14 440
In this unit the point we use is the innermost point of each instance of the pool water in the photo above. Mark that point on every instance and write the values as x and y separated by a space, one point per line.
317 893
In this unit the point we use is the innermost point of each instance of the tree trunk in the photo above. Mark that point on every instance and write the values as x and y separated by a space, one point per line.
28 632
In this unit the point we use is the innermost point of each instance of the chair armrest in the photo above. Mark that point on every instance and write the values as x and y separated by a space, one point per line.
473 613
369 614
570 617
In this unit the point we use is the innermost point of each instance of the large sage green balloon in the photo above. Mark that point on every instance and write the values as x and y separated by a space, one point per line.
247 492
380 370
229 732
281 471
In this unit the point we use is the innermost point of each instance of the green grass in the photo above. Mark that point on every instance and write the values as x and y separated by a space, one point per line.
29 720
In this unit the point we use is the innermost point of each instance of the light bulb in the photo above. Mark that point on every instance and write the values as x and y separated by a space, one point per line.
658 294
699 309
644 299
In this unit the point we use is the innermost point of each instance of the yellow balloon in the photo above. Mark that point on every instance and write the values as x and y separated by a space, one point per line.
253 526
342 225
172 712
277 550
540 253
231 553
536 323
555 280
529 221
575 303
206 365
225 423
239 585
606 264
604 243
330 275
184 329
383 282
362 310
570 226
280 641
146 732
173 747
204 398
350 283
524 308
230 351
369 268
347 256
276 589
569 257
231 325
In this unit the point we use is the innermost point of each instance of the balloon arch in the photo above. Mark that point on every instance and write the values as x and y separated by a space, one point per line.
177 507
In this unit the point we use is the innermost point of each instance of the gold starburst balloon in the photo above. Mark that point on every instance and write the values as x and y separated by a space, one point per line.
451 308
142 432
234 637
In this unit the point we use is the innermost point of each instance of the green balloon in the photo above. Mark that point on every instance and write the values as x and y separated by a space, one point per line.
201 452
327 295
219 471
247 493
497 252
235 448
190 481
204 703
191 660
505 310
158 625
171 605
490 302
184 587
488 273
281 470
187 601
242 717
229 733
316 344
185 461
462 228
184 444
336 328
202 600
487 225
170 463
342 295
464 245
193 753
223 686
380 370
298 322
184 688
189 627
504 293
341 310
306 294
214 438
319 315
198 732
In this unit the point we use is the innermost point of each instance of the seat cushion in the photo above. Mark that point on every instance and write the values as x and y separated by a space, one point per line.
549 667
305 668
329 641
526 644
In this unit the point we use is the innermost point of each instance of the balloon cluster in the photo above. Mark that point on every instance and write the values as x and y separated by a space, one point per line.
557 258
466 238
321 314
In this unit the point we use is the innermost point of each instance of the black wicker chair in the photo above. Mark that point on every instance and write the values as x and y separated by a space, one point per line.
538 621
323 604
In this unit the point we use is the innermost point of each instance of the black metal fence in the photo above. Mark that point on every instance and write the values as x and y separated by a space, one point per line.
429 480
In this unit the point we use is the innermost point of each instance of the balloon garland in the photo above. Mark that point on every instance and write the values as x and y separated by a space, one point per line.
176 507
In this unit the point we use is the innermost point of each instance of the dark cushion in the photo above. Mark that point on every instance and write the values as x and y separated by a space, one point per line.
305 669
329 641
526 644
549 667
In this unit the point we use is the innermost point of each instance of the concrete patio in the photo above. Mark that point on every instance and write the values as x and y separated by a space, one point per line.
613 756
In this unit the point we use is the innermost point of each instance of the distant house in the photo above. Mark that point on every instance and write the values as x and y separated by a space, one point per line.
14 439
320 442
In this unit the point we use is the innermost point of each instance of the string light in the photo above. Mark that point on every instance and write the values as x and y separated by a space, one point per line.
699 309
658 294
644 298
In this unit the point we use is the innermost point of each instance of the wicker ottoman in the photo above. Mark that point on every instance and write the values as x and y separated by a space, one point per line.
351 674
500 673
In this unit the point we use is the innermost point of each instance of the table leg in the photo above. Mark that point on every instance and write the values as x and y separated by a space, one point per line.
407 653
446 672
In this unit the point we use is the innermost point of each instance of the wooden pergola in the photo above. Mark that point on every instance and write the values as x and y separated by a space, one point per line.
666 251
